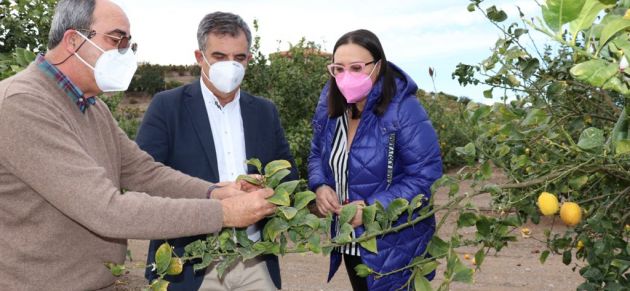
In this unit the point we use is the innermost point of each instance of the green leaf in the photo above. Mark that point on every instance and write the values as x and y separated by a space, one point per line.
345 234
263 246
622 147
275 166
479 113
587 16
467 219
558 12
116 269
512 220
421 283
566 257
369 214
309 220
242 238
496 15
347 213
461 273
480 255
502 150
280 197
595 72
256 163
303 198
544 256
437 247
249 179
578 182
591 138
288 186
225 264
274 227
467 151
159 285
535 117
415 203
486 170
396 207
363 270
370 245
275 179
488 93
314 243
611 29
287 212
163 258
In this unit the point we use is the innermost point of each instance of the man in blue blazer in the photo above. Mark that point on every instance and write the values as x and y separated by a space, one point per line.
207 129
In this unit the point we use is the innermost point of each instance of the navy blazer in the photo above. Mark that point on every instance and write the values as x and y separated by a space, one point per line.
176 132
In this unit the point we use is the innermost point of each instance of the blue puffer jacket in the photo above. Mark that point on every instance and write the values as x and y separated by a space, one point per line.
417 164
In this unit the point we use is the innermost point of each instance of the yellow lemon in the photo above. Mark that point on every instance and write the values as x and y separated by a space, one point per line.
548 203
526 232
175 267
627 15
580 245
570 213
627 228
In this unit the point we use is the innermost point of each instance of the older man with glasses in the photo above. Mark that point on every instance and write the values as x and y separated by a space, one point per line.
64 161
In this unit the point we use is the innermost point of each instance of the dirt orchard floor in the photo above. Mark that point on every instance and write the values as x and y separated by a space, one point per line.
516 267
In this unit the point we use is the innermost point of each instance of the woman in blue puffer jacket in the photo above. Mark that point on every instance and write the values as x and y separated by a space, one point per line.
372 141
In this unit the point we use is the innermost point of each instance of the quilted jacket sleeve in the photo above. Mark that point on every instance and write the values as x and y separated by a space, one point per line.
418 150
316 176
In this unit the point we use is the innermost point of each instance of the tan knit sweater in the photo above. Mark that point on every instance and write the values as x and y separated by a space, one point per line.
62 214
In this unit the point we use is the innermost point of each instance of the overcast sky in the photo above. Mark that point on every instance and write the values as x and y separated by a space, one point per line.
416 34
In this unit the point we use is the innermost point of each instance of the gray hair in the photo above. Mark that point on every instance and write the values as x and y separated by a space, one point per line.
70 14
222 23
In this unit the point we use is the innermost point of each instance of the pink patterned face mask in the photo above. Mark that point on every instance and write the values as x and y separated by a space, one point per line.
354 86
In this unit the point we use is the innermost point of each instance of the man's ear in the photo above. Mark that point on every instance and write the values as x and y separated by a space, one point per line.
199 57
70 41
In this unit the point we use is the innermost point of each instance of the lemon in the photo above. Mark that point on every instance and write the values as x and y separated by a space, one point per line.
548 203
526 232
580 245
570 213
175 267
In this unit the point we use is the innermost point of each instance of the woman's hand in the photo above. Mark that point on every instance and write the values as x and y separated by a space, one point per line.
357 220
327 200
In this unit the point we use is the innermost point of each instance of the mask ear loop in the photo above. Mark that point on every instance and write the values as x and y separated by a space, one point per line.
72 54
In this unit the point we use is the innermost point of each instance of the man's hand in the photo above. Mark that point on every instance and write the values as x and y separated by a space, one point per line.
248 208
226 190
327 200
249 187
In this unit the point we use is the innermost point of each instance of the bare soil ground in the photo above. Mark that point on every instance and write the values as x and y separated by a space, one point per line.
516 267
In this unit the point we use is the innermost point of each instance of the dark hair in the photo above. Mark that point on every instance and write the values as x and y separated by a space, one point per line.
222 23
337 104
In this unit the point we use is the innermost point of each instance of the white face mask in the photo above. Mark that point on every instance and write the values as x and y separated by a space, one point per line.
226 76
113 71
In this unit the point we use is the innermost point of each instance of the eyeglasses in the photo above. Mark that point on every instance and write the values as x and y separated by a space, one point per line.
122 42
355 68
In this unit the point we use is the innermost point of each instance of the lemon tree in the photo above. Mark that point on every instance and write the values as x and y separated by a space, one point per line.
562 127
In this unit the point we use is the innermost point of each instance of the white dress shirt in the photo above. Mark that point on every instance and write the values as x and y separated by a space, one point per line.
226 124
